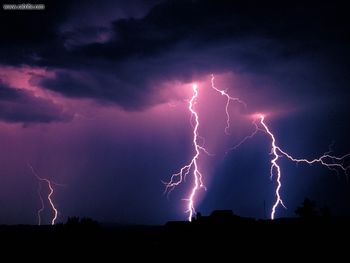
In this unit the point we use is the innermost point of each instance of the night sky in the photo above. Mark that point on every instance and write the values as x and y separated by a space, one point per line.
94 95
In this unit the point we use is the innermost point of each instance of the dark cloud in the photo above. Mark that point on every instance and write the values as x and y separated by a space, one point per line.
86 35
32 36
124 61
17 105
26 34
103 87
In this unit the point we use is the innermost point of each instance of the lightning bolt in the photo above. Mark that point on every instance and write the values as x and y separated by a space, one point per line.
42 204
178 178
228 100
274 167
330 161
274 148
49 196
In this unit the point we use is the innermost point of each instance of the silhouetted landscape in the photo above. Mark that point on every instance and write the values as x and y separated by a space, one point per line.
222 231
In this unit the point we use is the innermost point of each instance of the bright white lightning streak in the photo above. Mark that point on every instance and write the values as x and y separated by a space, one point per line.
49 196
326 159
331 162
228 100
177 178
274 166
322 160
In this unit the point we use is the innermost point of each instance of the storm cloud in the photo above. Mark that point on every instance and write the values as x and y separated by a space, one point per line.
18 105
124 60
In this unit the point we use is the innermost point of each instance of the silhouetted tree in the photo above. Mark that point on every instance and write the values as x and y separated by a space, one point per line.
72 221
307 210
88 222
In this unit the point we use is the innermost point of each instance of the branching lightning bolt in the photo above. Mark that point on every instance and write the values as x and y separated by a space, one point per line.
49 196
177 178
274 149
228 100
327 160
274 166
333 163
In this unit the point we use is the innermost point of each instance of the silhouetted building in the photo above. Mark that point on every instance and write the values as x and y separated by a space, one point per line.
216 218
221 217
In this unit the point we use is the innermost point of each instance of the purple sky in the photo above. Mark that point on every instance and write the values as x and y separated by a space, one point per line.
95 97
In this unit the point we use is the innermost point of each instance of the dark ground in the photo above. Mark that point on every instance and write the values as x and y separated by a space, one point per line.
239 238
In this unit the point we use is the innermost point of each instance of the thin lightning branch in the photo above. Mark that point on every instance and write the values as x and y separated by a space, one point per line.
326 160
202 146
49 196
178 178
248 137
42 204
228 100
